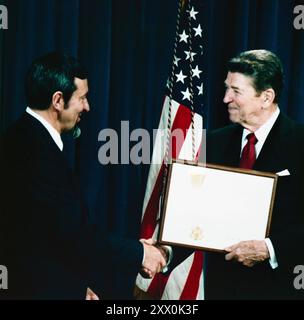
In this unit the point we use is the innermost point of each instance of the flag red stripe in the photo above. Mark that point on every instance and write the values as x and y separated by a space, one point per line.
192 283
149 220
157 285
182 121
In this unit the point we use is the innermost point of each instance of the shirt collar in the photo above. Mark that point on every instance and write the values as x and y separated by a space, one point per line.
52 131
262 133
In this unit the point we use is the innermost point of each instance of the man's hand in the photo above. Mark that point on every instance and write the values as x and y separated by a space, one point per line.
163 250
155 259
248 252
91 295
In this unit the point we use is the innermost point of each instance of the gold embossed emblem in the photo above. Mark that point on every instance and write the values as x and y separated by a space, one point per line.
197 179
197 234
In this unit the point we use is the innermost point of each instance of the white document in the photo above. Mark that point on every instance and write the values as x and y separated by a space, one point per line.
213 208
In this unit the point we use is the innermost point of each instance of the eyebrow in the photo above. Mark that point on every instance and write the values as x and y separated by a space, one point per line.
233 87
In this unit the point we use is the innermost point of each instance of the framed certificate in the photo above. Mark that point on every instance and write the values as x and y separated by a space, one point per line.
211 207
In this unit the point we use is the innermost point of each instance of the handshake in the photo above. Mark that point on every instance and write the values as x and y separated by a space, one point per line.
155 258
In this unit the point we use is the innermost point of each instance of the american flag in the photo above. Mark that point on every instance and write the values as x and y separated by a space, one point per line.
185 91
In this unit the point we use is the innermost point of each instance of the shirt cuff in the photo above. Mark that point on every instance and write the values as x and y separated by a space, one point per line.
170 256
272 257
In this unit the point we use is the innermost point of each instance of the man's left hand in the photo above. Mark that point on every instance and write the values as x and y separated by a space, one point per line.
248 252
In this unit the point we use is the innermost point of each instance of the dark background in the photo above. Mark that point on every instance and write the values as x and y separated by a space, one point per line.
127 47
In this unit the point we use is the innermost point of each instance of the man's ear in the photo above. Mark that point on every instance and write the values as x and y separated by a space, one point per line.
268 98
57 101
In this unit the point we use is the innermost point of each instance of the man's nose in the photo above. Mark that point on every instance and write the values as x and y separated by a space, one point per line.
86 106
228 96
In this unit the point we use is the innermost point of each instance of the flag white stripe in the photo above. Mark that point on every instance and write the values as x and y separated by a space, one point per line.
186 150
159 149
177 280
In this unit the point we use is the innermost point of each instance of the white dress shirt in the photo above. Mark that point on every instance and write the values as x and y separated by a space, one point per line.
261 134
52 131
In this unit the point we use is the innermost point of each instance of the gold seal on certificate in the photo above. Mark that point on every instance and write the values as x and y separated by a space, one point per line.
197 234
197 179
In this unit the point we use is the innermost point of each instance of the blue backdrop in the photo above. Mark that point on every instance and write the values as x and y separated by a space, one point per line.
127 47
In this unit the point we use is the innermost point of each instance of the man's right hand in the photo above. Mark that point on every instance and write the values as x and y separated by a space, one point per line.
154 260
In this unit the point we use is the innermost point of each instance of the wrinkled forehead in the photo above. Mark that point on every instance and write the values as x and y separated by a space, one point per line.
238 80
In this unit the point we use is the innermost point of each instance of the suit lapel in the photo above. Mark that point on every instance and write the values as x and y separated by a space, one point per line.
232 153
271 151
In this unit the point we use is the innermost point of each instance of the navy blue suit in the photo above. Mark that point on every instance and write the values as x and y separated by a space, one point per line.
47 242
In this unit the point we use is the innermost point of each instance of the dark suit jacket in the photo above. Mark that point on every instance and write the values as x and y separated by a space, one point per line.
50 248
283 149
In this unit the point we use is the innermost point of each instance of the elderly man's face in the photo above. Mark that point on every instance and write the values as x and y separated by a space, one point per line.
244 104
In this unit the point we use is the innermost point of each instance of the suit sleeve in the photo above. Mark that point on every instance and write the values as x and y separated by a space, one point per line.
48 218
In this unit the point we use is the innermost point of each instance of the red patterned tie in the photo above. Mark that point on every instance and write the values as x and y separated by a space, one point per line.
248 154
